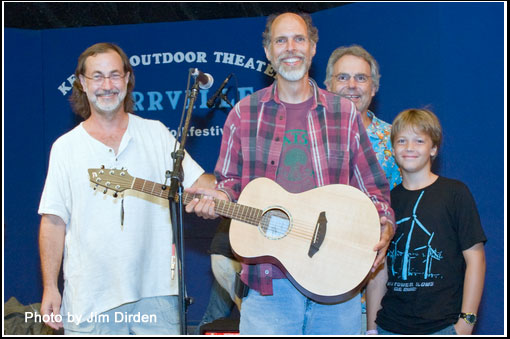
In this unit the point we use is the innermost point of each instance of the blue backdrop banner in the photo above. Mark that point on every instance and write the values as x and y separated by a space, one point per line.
446 56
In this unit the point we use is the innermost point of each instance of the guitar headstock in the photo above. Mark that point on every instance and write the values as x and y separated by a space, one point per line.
117 180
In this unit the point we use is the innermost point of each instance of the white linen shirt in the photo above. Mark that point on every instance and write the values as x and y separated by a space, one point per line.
106 266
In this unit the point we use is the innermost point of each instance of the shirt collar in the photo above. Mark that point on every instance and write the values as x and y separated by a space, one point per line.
373 117
272 94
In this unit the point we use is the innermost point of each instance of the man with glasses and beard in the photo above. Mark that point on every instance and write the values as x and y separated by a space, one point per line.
301 137
116 250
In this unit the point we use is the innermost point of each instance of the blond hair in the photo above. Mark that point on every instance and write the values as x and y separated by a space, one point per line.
421 120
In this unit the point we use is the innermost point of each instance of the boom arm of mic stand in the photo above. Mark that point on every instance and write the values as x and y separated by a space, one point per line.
177 224
224 97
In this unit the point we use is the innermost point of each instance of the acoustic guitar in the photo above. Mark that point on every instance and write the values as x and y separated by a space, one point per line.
322 239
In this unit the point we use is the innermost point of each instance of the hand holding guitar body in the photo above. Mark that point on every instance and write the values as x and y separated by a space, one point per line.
381 248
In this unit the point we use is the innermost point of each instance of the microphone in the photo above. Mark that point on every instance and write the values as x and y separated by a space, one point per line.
210 102
205 80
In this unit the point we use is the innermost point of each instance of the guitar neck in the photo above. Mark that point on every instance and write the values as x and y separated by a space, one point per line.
224 208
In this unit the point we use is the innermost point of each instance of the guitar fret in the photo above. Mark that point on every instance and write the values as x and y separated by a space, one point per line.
225 208
159 189
249 214
144 186
230 209
163 193
137 184
221 206
236 211
244 214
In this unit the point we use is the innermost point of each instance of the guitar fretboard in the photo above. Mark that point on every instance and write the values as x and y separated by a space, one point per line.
227 209
151 188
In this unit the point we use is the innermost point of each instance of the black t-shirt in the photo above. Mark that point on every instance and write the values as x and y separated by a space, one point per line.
425 262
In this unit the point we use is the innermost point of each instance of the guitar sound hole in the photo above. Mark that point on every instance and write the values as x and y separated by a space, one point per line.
275 224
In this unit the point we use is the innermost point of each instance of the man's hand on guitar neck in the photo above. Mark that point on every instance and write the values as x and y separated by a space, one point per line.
387 233
204 207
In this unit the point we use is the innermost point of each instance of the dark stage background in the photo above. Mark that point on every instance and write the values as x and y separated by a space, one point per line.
447 56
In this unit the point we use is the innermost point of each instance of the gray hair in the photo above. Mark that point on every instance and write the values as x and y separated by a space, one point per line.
313 32
357 51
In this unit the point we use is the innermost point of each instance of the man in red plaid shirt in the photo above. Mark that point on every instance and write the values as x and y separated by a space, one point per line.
302 137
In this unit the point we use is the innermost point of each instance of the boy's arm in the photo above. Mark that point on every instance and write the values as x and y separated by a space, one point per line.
376 288
473 285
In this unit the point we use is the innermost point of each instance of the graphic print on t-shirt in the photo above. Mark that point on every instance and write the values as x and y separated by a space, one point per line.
412 253
295 172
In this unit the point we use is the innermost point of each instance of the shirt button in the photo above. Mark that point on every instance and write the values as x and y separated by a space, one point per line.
272 162
266 271
281 117
110 150
277 139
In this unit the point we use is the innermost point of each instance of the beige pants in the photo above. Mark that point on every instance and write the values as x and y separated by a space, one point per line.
224 270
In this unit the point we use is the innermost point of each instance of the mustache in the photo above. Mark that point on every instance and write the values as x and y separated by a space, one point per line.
291 55
106 92
346 91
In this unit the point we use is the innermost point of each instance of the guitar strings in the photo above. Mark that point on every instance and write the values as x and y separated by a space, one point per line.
254 217
295 229
298 229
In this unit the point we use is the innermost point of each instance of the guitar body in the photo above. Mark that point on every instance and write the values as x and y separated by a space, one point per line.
341 258
322 239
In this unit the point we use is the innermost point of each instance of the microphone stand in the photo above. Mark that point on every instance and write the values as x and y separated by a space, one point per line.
175 200
224 97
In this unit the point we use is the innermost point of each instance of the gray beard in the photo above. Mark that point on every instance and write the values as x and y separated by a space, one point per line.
292 75
111 109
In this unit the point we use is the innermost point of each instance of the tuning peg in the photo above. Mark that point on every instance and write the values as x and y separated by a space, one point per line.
95 187
115 195
102 166
105 190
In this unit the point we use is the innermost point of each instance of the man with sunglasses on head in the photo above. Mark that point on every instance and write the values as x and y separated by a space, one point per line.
353 73
117 250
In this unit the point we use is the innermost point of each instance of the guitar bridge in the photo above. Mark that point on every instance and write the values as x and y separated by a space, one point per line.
319 234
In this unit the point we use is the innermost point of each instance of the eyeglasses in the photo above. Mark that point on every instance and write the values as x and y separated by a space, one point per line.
344 77
99 78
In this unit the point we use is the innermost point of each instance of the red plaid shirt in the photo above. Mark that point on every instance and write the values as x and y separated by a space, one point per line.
341 150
